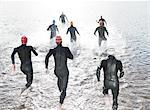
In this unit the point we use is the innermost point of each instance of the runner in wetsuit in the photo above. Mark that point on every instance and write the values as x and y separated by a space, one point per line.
102 20
101 31
24 53
72 31
53 28
111 66
63 17
61 54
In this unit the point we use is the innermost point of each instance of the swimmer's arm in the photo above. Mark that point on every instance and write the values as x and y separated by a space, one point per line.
35 53
95 31
69 54
13 59
47 58
77 31
98 73
13 56
121 69
106 31
68 30
98 70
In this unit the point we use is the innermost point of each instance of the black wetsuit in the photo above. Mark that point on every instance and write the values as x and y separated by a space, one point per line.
62 17
72 31
60 54
103 20
110 68
53 28
101 31
24 53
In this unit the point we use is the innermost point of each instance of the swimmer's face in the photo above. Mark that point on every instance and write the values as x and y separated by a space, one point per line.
71 23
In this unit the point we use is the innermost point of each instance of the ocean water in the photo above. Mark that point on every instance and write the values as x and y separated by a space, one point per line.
128 24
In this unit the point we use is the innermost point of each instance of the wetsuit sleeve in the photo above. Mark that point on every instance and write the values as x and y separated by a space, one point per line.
120 69
105 22
57 28
76 30
69 54
99 69
48 28
66 17
34 51
103 62
47 57
98 73
95 31
13 56
106 30
68 30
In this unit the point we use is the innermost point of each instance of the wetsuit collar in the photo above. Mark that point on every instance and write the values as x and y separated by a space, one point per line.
59 45
111 57
23 45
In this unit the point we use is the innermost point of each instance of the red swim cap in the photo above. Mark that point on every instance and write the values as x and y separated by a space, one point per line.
24 39
58 40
